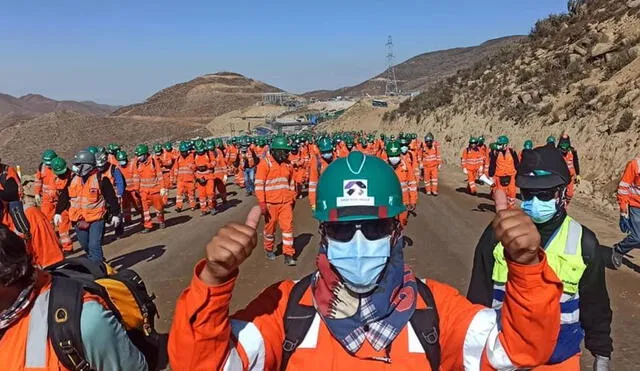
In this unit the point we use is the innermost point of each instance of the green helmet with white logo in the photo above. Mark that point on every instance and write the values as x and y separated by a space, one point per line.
473 140
280 142
184 147
564 146
200 147
157 148
325 144
92 149
528 144
59 166
503 140
122 156
48 156
141 150
393 148
358 187
551 139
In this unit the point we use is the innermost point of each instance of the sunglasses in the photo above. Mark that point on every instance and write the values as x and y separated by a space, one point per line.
371 229
541 194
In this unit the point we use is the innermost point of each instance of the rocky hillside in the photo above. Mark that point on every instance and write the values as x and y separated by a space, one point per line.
202 98
36 104
422 71
577 73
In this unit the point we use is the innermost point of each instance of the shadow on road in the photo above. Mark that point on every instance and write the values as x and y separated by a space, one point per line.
300 242
177 220
230 204
484 207
130 259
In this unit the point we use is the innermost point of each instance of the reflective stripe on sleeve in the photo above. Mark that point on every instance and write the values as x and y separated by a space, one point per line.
482 334
250 338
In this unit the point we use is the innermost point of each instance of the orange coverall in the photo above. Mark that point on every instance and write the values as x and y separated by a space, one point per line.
204 182
220 169
131 197
629 186
275 188
430 161
571 187
298 164
52 185
341 150
316 168
503 169
147 177
205 337
184 170
472 160
409 194
166 160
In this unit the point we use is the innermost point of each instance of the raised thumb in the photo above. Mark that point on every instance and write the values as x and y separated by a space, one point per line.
500 199
253 219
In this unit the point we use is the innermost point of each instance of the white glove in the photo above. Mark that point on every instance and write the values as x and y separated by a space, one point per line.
224 179
601 364
115 221
481 170
38 199
464 170
163 192
57 219
439 166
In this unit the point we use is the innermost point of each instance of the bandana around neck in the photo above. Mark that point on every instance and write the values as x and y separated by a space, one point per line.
11 314
378 316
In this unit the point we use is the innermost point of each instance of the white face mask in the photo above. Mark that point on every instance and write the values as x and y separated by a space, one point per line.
359 261
123 163
394 160
404 149
327 156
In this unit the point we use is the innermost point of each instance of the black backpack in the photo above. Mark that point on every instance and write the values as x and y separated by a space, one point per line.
298 319
120 290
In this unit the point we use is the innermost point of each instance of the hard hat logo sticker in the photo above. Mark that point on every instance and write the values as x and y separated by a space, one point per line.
355 193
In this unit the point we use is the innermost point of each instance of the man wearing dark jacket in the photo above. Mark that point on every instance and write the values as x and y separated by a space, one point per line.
573 253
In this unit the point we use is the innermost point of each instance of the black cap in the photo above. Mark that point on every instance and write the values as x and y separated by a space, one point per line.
542 168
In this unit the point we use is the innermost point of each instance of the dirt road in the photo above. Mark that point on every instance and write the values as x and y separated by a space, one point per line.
444 235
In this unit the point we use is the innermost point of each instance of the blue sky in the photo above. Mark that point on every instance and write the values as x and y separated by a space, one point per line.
121 52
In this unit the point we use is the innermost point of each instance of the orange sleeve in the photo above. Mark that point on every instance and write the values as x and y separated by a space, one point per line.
261 178
412 180
313 180
37 183
624 186
44 245
463 158
522 334
204 337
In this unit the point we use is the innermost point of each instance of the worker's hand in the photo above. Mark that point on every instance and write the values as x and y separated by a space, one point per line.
38 199
601 363
516 231
115 221
578 179
163 192
224 179
231 246
439 166
625 226
464 170
57 219
481 170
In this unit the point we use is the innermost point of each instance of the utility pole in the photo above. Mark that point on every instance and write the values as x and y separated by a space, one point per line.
391 87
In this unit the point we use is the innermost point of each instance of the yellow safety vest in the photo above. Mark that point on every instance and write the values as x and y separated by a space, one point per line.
564 256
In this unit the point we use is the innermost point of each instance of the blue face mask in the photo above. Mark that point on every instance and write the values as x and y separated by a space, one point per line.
359 261
540 211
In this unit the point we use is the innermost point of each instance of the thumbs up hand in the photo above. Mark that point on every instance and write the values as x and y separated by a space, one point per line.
516 231
229 248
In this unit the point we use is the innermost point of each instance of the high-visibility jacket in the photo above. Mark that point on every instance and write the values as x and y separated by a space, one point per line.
25 346
184 168
166 160
247 159
112 159
43 175
568 158
412 162
472 337
127 173
86 200
407 180
504 163
629 186
232 154
148 176
316 168
564 256
43 246
218 163
53 185
341 150
274 183
203 166
430 157
472 159
261 152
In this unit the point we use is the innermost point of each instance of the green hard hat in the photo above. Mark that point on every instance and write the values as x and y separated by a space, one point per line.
481 139
358 187
211 144
564 145
503 140
325 144
168 146
348 140
493 146
428 137
184 147
59 166
473 140
141 149
48 156
200 146
218 142
393 148
122 156
404 142
551 139
157 148
92 149
528 144
280 142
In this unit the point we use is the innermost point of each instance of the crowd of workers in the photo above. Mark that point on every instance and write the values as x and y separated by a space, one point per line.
362 299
